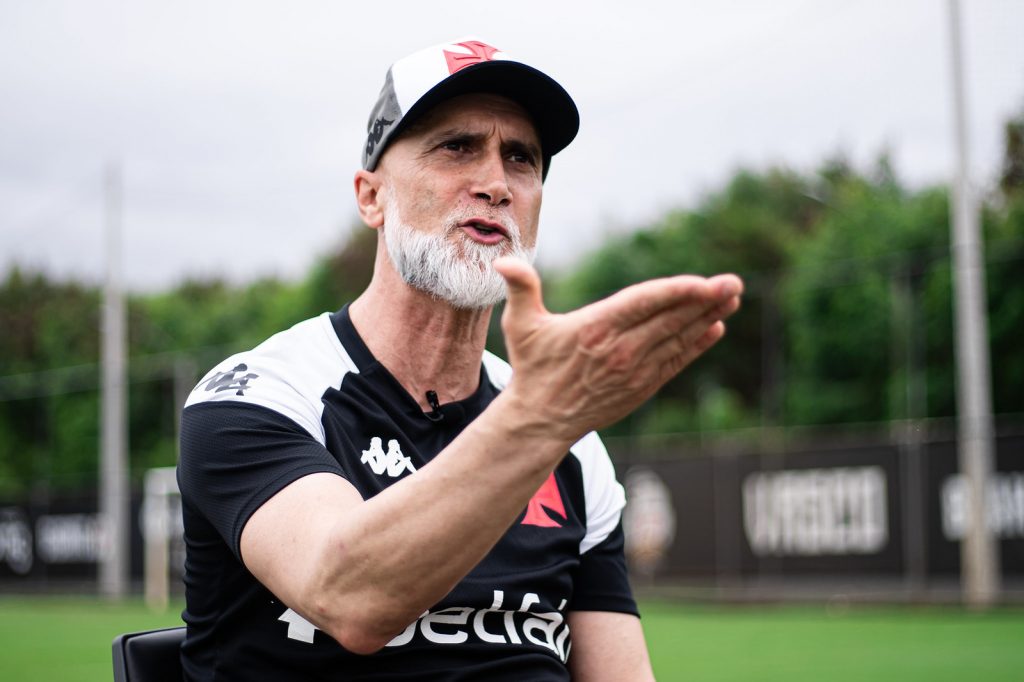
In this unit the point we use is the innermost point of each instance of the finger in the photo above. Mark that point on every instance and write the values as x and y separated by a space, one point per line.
726 286
523 282
709 338
682 323
677 352
640 302
725 310
674 355
635 304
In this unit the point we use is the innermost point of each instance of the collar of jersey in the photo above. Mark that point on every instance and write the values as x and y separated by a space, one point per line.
456 412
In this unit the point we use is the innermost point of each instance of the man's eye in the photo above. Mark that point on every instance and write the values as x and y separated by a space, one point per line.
522 157
454 145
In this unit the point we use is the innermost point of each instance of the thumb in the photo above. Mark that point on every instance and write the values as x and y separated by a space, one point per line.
524 292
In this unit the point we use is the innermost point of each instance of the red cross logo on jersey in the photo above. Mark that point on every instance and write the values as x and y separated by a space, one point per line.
543 504
478 52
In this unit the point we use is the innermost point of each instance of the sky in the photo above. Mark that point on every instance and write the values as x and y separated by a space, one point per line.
236 126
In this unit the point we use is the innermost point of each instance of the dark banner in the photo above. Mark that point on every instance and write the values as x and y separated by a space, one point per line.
54 539
60 540
883 510
946 507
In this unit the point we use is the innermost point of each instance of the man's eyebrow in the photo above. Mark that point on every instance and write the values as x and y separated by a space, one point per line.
457 133
438 136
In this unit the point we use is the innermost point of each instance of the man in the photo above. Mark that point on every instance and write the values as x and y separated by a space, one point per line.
371 496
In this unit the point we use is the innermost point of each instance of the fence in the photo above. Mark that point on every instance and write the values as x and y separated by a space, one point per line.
754 519
740 517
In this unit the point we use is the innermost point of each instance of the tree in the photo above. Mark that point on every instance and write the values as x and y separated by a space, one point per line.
848 355
1011 178
751 228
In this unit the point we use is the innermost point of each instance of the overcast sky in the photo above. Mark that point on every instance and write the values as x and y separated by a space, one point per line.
238 125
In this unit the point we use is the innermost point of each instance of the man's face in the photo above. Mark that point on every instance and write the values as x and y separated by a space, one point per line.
460 188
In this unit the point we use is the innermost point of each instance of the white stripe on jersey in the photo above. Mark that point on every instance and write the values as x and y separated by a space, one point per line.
292 370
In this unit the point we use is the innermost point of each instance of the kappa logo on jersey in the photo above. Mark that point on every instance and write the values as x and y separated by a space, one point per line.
393 462
230 381
478 52
544 503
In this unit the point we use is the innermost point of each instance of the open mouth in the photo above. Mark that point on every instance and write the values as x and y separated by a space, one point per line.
484 231
486 226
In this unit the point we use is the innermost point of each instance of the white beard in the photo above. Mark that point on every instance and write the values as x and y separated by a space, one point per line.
457 270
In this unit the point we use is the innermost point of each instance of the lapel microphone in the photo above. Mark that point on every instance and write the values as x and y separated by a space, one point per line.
435 415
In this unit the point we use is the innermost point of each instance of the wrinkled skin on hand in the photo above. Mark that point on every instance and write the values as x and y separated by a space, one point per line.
586 369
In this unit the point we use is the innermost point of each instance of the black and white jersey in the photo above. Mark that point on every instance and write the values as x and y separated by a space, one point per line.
313 399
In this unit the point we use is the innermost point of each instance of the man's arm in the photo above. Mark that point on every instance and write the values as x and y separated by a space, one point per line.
363 570
608 647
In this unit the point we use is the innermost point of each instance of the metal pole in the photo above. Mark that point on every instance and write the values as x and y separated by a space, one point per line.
903 357
979 553
113 503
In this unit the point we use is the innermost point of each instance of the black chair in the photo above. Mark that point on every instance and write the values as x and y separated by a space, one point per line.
149 656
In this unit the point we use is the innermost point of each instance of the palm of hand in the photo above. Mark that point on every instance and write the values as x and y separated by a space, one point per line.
589 368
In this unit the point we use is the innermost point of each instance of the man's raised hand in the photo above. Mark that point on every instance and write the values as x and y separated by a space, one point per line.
589 368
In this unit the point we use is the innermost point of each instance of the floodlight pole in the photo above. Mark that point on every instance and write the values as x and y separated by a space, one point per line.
113 502
979 552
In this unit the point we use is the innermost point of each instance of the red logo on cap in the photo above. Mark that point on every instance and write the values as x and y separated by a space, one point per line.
479 52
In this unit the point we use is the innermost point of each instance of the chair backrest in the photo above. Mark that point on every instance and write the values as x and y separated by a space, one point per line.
149 656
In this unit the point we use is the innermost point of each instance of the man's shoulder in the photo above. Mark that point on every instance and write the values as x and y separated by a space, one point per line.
288 373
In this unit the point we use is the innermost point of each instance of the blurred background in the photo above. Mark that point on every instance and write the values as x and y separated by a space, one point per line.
194 160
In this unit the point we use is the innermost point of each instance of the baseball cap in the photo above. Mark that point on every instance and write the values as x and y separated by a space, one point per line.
416 83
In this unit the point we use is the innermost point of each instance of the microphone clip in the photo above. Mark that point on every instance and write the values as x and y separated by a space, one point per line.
435 415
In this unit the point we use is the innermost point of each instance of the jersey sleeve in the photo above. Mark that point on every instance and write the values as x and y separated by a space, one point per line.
236 456
605 497
601 582
253 424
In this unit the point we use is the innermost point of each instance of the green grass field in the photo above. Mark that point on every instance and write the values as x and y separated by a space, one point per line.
68 640
790 644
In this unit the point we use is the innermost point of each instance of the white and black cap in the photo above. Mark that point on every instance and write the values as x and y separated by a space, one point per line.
417 83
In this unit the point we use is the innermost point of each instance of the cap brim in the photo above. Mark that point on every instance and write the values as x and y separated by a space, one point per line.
552 109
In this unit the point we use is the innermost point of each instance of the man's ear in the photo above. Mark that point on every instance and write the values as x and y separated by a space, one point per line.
368 198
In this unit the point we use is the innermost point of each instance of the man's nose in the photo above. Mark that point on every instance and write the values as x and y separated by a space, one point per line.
491 183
